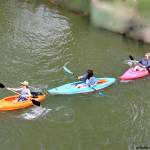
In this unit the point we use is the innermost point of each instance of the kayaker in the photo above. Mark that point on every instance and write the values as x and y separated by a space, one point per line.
25 92
91 80
144 63
85 75
88 77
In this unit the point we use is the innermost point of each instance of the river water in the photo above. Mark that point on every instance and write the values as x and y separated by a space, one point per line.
36 40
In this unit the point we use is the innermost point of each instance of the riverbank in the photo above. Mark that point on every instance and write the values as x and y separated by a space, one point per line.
123 17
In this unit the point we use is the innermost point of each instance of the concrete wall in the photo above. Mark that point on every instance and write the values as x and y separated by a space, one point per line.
128 17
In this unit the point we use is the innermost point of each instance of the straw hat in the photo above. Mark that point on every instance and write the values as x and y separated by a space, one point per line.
25 83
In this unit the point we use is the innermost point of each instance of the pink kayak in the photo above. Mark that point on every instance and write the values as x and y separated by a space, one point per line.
130 74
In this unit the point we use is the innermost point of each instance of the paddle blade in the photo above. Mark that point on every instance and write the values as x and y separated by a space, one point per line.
101 93
37 103
2 85
131 57
67 70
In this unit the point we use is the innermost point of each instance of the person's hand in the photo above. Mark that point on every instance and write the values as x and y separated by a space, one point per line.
79 77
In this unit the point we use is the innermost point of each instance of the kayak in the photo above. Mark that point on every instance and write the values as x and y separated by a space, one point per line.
9 103
80 87
130 74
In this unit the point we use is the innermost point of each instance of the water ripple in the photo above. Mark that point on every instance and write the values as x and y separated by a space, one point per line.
34 113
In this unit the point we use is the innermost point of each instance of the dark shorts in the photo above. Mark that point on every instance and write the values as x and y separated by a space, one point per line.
21 98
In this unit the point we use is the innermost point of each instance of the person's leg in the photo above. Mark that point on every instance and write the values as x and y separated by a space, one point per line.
20 99
138 68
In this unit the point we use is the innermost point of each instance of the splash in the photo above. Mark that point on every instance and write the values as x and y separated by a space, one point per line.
35 113
131 63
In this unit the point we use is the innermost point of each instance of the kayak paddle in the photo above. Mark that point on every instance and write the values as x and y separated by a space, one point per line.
131 57
35 102
132 61
71 73
68 71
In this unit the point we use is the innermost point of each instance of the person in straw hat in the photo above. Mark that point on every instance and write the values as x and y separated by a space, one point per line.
24 91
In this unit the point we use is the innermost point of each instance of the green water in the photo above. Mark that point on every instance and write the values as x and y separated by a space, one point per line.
36 40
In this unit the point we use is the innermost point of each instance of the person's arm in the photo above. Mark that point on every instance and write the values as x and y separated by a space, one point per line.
148 65
29 93
141 63
83 77
80 77
15 89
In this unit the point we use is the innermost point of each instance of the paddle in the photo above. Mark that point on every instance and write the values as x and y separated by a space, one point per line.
71 73
35 102
68 71
132 61
131 57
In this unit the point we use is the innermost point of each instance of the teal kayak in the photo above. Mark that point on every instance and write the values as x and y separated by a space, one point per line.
80 87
